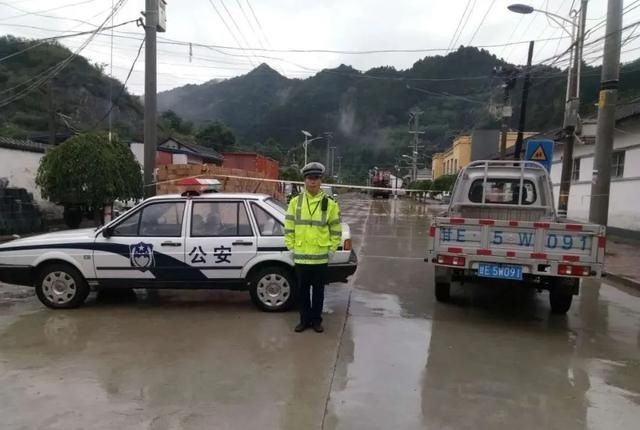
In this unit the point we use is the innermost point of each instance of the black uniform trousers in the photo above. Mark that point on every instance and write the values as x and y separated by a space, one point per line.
310 301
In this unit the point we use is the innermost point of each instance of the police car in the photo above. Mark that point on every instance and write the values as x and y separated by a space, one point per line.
227 241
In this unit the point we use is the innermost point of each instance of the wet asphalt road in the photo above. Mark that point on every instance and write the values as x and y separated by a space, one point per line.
391 358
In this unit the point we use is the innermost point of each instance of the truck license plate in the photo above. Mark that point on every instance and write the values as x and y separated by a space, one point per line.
500 271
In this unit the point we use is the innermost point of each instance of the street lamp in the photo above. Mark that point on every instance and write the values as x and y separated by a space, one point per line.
572 100
526 9
306 143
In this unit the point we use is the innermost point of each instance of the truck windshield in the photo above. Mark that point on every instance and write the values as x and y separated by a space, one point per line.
502 191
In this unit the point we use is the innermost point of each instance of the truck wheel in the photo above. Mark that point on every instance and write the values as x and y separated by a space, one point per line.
61 286
272 289
443 291
560 301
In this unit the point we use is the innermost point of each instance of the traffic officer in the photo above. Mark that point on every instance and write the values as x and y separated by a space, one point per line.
313 230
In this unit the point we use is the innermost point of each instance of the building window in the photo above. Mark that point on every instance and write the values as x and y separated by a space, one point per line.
617 164
575 170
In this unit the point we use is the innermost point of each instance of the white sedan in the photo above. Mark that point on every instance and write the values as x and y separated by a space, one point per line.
216 240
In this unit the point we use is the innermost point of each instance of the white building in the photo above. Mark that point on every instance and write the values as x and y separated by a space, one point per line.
624 203
19 162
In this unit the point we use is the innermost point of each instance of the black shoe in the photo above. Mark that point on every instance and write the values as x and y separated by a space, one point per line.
300 328
317 327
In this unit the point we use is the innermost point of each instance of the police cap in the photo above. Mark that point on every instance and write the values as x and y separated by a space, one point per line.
313 169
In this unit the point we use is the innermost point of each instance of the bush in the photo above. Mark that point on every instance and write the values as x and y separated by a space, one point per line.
444 183
87 172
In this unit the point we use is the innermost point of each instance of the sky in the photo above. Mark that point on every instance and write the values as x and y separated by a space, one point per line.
281 25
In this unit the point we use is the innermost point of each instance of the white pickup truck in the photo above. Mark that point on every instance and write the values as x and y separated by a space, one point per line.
501 225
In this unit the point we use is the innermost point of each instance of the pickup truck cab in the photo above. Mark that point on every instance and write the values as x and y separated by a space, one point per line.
217 240
501 225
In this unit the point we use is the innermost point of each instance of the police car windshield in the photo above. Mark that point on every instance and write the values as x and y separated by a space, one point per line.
277 205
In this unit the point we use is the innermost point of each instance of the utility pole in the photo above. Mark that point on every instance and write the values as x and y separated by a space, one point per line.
415 115
508 76
571 109
506 118
523 105
328 135
52 113
333 159
339 168
150 95
607 101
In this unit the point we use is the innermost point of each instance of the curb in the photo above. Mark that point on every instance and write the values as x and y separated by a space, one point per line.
628 282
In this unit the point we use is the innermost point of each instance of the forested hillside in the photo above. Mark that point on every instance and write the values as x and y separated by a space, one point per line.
366 111
78 95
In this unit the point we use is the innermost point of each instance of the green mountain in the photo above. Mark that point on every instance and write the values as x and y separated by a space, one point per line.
78 95
368 111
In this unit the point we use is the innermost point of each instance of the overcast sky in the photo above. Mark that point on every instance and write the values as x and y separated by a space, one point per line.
305 24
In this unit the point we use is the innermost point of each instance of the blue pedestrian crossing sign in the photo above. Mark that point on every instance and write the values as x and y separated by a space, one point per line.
540 151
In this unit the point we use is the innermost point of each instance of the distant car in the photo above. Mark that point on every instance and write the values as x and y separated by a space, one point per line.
215 240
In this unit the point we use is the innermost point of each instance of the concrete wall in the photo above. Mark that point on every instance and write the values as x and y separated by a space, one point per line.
138 152
20 168
624 203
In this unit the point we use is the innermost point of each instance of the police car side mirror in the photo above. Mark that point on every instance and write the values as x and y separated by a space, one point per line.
107 232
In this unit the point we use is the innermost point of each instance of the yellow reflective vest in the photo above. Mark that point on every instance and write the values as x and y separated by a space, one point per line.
311 232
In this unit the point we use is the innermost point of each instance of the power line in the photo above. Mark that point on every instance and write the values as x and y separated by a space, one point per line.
168 41
227 26
122 90
632 6
550 24
235 24
42 12
53 71
253 30
445 95
481 22
462 24
526 29
459 24
255 17
50 39
246 18
346 52
515 29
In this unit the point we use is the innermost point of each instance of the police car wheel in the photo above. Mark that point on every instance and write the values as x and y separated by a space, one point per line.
60 286
272 289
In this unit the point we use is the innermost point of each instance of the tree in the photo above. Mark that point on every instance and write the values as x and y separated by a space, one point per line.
421 185
217 136
444 183
171 121
87 172
272 149
290 174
